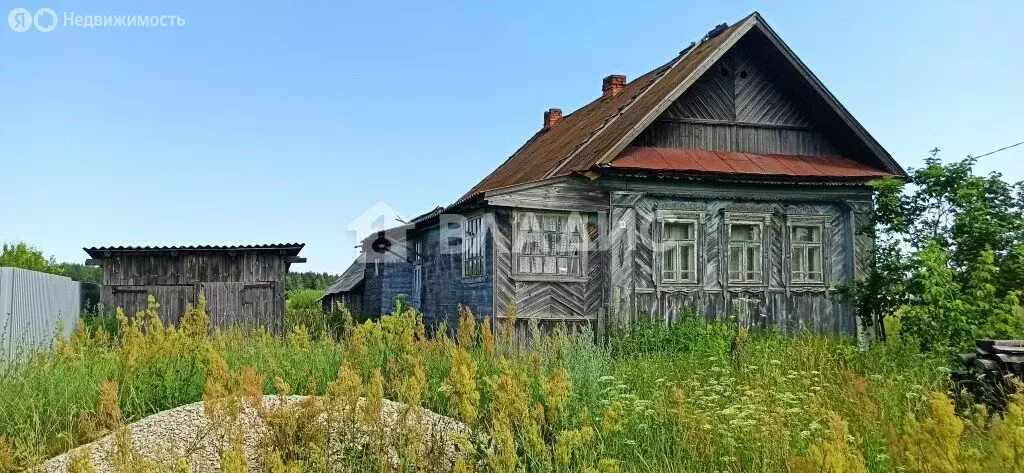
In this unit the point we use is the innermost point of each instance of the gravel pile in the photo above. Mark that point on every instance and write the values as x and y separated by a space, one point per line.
163 439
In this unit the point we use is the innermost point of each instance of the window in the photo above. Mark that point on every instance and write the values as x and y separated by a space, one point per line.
417 272
806 253
473 247
745 256
549 244
417 251
679 251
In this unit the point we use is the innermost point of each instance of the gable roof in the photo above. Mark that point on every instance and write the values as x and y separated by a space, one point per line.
598 132
349 279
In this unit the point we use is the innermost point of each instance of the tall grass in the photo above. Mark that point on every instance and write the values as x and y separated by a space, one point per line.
690 397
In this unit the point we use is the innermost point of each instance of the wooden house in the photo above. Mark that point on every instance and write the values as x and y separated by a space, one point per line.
726 182
243 285
347 289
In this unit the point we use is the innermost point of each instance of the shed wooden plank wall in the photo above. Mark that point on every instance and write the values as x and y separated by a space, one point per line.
242 289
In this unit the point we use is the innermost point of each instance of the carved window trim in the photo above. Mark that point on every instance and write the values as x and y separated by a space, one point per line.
696 219
575 261
821 222
762 222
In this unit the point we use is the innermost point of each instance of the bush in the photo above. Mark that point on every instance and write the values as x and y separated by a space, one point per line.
303 309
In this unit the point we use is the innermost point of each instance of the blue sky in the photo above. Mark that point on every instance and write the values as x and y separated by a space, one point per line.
283 121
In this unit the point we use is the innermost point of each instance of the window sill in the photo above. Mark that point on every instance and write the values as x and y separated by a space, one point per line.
679 284
747 284
809 285
547 278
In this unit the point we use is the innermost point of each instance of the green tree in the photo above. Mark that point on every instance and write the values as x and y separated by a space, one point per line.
302 280
21 255
949 255
82 273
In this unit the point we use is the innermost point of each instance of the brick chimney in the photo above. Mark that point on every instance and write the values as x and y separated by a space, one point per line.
612 85
551 117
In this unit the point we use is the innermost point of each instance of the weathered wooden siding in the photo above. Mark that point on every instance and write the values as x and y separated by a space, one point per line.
443 288
733 137
353 300
634 259
737 106
571 194
573 301
240 289
162 269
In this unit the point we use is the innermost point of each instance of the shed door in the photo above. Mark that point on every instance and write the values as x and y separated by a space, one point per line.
259 305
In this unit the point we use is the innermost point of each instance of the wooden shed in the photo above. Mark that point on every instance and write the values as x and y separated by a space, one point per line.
243 285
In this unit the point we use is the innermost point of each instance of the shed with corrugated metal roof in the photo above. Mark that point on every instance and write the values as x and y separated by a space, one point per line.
242 284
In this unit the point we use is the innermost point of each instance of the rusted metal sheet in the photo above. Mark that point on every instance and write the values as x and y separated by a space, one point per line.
731 162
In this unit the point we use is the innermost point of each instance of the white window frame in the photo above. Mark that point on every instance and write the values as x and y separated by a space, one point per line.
575 224
762 222
474 245
696 256
816 221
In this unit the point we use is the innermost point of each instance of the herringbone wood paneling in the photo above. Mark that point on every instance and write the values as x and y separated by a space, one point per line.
712 97
504 286
758 100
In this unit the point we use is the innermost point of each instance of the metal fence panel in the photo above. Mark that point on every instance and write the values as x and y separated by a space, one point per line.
32 307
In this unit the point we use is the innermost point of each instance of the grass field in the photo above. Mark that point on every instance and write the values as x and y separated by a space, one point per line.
691 397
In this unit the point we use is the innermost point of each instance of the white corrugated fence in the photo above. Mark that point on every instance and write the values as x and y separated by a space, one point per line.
32 306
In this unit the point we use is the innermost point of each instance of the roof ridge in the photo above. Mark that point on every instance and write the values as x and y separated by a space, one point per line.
660 74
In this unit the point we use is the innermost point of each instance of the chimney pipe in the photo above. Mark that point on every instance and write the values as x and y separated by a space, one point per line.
612 85
551 117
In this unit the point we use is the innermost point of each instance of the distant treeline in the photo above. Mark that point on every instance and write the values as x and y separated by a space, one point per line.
306 280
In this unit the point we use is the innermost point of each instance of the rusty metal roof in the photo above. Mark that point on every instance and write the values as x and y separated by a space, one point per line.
748 164
289 249
591 135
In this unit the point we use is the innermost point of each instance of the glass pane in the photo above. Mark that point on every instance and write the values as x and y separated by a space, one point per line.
686 257
669 260
807 234
798 260
576 266
549 265
678 231
753 258
814 259
563 265
744 233
735 257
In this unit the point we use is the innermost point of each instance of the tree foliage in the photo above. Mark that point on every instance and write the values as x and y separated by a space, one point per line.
82 273
300 280
949 256
21 255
